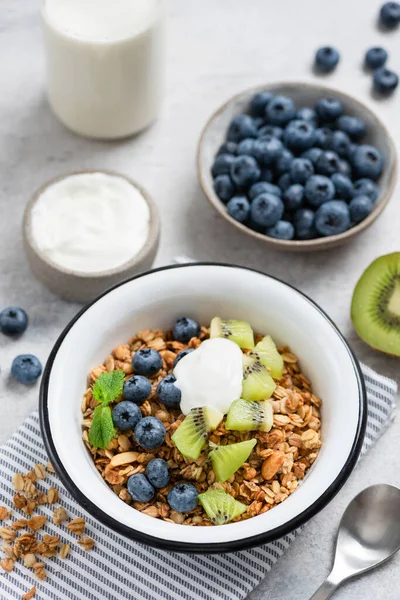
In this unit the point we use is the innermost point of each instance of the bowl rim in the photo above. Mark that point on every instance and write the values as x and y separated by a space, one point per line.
202 548
298 245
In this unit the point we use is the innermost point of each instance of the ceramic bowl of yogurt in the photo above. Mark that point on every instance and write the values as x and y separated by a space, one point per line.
88 230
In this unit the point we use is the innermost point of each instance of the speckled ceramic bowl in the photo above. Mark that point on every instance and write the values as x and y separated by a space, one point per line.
303 94
83 287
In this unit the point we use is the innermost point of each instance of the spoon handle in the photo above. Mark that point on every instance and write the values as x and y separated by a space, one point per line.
325 591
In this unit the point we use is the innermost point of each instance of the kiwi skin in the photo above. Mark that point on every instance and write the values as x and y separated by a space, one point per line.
376 325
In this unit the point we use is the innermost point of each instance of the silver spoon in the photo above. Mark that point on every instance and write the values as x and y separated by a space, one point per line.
369 534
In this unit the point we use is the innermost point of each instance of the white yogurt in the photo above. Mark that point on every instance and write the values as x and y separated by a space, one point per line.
105 64
210 376
90 222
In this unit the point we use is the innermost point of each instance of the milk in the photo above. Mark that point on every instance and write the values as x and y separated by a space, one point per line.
105 64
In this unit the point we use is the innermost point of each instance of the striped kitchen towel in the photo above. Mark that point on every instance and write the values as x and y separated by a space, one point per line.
119 569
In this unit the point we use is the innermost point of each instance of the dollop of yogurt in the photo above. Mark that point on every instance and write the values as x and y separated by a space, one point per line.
210 376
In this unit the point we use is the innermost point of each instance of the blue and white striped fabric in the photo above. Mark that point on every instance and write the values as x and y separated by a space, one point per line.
120 569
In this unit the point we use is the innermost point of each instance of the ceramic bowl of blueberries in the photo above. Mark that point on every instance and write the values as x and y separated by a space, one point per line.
298 166
200 291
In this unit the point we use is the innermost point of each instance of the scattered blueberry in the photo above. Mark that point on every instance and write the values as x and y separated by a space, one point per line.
266 209
300 170
182 354
304 224
385 81
267 149
238 208
140 488
168 393
367 162
185 329
323 137
332 218
327 58
299 135
183 497
228 148
271 130
389 14
319 189
376 58
354 127
222 164
343 186
328 109
157 472
246 146
26 368
366 187
293 197
282 230
340 143
328 163
283 163
344 168
13 320
245 171
126 415
284 181
259 103
241 127
312 154
280 110
137 389
146 362
224 187
150 433
307 114
360 207
263 187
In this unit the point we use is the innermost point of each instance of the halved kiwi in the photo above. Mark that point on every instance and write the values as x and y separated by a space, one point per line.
250 416
239 332
267 354
375 308
257 382
220 507
191 436
226 460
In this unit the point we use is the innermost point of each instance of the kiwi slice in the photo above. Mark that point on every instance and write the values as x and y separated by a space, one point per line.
267 354
257 382
220 507
239 332
250 416
375 308
191 436
226 460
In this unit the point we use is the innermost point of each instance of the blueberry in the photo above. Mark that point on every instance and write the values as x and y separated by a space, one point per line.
343 186
224 187
323 137
267 175
307 114
238 208
280 110
13 320
157 472
301 169
328 163
258 103
267 149
263 187
140 488
389 14
222 164
182 354
183 497
367 162
354 127
26 368
366 187
146 362
266 209
137 389
185 329
126 415
376 57
293 197
360 207
271 130
246 146
241 127
344 168
227 148
340 143
304 224
328 109
168 393
299 135
312 154
258 122
284 181
282 230
150 433
245 171
327 58
385 81
332 218
284 161
319 189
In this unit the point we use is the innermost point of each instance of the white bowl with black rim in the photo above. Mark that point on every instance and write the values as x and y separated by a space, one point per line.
154 300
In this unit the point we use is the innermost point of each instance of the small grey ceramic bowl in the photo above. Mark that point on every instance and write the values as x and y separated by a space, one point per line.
84 287
303 94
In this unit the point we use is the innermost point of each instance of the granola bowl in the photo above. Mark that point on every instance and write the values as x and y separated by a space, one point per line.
153 301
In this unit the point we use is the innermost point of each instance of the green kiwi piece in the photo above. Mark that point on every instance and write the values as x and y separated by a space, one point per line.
267 354
226 460
239 332
249 416
375 308
220 507
191 436
257 382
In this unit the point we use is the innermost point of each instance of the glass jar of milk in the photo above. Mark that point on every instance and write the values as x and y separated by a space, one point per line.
105 64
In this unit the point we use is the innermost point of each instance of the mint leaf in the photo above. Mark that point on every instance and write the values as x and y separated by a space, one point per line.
102 428
108 387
